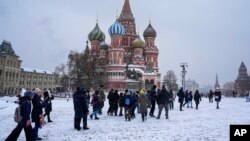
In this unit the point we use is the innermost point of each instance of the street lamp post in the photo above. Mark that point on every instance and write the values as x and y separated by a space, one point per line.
183 73
69 85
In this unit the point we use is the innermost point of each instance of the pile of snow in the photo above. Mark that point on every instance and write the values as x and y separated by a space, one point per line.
205 124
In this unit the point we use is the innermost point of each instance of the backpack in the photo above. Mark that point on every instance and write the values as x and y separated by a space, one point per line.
17 114
127 101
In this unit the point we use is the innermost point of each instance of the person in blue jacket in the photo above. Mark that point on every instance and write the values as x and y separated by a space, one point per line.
25 123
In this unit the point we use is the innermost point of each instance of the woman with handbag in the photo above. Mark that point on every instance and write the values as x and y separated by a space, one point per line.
37 112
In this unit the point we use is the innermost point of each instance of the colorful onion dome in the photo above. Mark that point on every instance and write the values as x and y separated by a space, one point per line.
103 45
96 34
149 32
116 29
138 43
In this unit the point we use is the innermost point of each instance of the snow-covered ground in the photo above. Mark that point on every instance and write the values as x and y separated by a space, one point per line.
205 124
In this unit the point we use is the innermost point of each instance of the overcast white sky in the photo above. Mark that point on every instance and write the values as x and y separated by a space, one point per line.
212 36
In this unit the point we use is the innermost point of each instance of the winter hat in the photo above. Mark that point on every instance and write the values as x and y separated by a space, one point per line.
37 90
22 92
29 94
142 92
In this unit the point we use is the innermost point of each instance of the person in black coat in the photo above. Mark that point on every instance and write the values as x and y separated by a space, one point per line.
121 103
163 100
134 100
190 99
197 98
110 97
47 100
152 100
115 102
210 96
186 99
181 96
217 97
81 108
171 100
37 111
25 123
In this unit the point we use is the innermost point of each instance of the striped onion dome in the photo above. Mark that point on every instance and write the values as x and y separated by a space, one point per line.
103 45
149 32
116 29
96 34
138 43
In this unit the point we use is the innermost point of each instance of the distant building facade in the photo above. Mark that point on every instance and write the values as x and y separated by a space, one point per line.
205 88
229 85
191 85
13 77
242 83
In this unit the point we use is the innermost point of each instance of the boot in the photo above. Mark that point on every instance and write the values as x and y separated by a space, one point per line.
85 128
49 118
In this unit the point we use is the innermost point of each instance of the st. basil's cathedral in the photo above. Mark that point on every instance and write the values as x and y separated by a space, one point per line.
127 52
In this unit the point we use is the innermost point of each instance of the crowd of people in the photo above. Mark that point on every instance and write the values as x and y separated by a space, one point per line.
123 104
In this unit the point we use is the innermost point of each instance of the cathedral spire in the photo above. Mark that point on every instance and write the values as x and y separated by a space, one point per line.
242 65
242 71
217 85
126 11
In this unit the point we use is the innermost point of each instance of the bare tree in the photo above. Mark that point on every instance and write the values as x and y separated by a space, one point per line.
87 69
61 76
170 81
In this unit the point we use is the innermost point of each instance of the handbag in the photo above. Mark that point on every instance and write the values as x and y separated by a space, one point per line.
42 121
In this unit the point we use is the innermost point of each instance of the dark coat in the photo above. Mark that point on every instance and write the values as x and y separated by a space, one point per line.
217 96
121 100
37 110
113 98
134 99
163 97
197 97
80 104
110 96
190 96
25 104
48 103
95 102
152 94
171 96
211 94
186 96
181 96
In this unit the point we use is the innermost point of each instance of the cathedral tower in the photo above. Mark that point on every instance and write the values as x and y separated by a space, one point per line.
151 51
128 22
96 36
